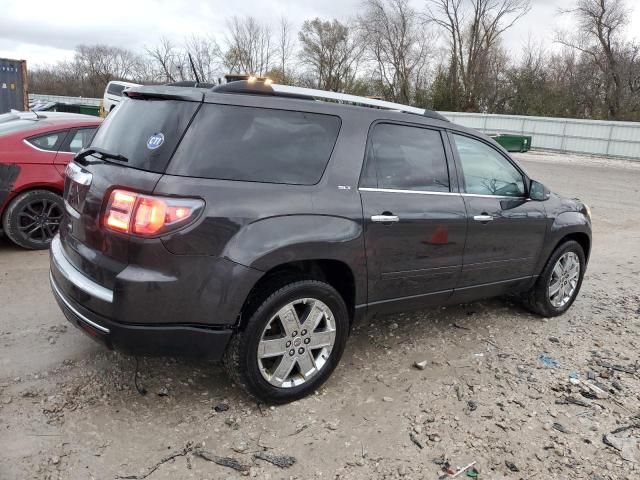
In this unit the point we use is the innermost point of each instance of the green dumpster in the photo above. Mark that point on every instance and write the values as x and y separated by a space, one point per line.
513 143
90 110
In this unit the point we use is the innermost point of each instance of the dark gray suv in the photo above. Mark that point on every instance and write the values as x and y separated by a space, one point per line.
255 223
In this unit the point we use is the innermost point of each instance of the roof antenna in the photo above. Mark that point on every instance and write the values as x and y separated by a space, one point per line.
193 69
38 117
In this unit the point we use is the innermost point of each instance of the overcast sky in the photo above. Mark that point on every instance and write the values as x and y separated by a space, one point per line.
45 31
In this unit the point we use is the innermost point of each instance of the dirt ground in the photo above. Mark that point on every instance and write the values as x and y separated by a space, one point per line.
522 396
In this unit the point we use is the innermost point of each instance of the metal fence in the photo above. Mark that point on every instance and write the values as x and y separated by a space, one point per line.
35 97
592 137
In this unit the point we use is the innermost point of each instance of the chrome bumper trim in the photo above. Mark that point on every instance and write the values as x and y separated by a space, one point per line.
74 276
59 294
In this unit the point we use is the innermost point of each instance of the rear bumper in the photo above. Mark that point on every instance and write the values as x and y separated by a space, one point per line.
143 340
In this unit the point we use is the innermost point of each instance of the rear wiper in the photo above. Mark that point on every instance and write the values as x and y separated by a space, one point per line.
102 152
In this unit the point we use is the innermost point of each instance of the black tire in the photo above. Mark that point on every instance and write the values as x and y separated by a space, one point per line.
241 356
32 219
537 299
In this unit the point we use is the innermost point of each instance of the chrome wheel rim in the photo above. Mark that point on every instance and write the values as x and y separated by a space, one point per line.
296 343
39 220
564 279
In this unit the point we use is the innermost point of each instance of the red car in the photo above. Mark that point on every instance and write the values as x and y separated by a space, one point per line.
34 151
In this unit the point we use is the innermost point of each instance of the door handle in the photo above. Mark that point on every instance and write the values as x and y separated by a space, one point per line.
483 218
385 218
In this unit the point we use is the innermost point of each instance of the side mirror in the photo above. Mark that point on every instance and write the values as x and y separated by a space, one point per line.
538 191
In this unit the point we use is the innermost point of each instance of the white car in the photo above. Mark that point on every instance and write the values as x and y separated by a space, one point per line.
113 94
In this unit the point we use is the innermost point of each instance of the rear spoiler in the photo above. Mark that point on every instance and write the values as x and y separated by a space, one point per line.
163 92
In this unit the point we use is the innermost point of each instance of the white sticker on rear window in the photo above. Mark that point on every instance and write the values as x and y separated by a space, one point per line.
155 141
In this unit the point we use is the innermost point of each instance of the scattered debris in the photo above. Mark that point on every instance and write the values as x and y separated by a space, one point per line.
463 470
221 407
511 466
282 461
415 440
459 393
223 461
627 446
420 365
188 448
299 430
473 472
163 392
461 327
547 361
387 399
473 405
554 339
574 401
559 427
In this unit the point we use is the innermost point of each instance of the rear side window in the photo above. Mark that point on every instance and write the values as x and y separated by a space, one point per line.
80 139
115 89
256 145
400 157
145 131
49 141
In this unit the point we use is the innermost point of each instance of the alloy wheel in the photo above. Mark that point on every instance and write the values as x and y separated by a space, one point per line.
564 279
39 220
296 343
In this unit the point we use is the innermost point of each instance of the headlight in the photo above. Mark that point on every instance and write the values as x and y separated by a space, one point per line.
587 211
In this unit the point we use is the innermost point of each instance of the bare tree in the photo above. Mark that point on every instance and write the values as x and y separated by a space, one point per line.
168 61
331 52
249 46
474 28
398 43
206 56
285 49
601 24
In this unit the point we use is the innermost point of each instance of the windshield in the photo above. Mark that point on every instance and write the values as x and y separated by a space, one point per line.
146 132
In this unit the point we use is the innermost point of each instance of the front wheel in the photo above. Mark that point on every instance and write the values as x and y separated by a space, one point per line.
292 342
559 283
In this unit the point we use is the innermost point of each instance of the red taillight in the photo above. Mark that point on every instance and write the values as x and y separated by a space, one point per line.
146 215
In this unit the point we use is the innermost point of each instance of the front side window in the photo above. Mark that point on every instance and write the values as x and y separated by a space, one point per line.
47 142
256 145
400 157
485 171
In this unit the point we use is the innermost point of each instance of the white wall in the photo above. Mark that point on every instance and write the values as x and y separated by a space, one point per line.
593 137
35 97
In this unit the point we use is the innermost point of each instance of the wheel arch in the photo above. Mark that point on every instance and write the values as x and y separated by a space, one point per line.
334 272
567 226
24 189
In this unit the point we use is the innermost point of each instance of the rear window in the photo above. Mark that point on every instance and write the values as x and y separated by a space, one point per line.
115 89
145 131
256 145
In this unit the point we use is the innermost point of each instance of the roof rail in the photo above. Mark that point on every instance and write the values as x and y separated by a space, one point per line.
311 93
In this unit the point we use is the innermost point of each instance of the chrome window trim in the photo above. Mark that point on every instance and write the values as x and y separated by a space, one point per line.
393 190
420 192
493 196
75 277
27 142
57 292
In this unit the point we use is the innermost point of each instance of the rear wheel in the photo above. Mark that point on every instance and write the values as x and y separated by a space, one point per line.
559 283
292 342
32 218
